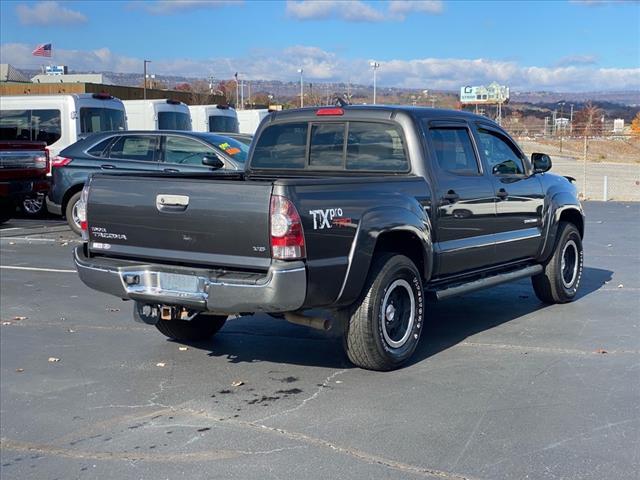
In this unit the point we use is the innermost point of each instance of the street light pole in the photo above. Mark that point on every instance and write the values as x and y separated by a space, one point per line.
144 90
301 71
375 66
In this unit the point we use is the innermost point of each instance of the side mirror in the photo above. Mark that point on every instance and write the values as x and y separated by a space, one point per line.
541 162
212 161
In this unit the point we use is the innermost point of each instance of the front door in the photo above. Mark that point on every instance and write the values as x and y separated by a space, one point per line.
519 195
465 202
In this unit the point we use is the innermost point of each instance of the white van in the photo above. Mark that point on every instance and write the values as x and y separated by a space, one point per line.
59 120
249 120
214 118
157 115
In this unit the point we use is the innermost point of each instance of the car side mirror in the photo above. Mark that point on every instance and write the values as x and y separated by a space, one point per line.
541 162
212 161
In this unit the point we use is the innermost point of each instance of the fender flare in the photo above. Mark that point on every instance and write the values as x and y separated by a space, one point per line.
558 204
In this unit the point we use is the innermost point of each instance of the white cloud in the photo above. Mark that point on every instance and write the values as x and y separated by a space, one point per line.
167 7
48 13
577 60
401 8
322 66
351 11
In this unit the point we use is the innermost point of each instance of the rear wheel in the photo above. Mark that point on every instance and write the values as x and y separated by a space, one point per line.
33 205
201 327
71 212
560 279
384 329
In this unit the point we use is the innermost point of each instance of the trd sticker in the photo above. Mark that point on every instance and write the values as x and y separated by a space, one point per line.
328 217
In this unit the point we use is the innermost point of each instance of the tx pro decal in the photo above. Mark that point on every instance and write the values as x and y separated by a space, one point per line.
323 218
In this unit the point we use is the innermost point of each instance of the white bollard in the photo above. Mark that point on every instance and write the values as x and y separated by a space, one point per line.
605 188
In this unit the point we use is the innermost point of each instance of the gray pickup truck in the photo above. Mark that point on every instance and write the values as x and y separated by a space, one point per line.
347 216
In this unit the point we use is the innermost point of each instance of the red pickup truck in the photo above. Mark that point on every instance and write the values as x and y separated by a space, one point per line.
23 174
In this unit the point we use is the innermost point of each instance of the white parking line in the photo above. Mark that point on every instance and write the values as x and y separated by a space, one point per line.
36 269
29 239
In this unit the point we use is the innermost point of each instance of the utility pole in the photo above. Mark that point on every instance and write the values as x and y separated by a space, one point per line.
144 89
237 90
301 71
561 124
375 65
242 94
571 121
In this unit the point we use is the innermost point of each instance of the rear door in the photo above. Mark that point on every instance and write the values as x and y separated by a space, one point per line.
136 152
519 195
464 200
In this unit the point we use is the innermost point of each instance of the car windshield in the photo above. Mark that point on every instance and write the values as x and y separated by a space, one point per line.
238 151
101 119
174 121
219 123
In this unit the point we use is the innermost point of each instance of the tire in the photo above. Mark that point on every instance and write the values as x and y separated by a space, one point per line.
71 215
202 327
560 279
384 327
33 205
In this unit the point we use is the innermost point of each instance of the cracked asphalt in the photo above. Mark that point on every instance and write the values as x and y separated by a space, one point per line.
502 387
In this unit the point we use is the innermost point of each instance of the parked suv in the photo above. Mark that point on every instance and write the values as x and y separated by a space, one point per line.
142 151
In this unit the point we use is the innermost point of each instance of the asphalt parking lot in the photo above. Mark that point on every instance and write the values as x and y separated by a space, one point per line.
502 387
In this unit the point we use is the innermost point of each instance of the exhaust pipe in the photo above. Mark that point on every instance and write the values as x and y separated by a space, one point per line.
318 323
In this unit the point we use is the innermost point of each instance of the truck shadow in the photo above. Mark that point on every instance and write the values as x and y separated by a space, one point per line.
260 338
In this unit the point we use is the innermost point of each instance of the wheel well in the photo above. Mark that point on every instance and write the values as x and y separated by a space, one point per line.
70 193
573 216
403 243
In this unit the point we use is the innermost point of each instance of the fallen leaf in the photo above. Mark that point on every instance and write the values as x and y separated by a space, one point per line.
17 319
601 351
160 364
112 309
6 323
237 383
183 349
64 244
609 245
53 359
19 370
338 381
71 330
12 243
621 286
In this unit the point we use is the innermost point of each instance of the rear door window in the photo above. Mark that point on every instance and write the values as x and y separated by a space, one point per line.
135 147
99 150
454 150
281 146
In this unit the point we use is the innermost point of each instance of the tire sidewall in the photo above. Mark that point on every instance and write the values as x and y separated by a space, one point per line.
395 269
69 213
570 233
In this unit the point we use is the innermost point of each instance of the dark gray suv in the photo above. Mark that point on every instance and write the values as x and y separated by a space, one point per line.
144 151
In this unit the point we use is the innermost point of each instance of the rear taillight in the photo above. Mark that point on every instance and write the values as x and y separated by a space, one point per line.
59 161
81 210
287 236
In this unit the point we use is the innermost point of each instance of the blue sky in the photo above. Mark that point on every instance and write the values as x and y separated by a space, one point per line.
541 45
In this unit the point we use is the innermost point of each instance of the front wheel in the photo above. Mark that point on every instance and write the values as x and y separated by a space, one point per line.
384 329
201 327
560 279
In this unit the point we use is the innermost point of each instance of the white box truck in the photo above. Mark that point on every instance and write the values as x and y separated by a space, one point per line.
162 114
248 120
214 118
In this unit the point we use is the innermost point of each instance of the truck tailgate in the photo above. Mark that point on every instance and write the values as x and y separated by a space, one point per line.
190 220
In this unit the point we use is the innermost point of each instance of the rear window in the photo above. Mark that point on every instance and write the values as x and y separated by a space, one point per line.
174 121
42 125
219 123
135 147
101 119
356 146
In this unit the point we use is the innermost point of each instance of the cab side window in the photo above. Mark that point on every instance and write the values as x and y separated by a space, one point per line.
135 147
454 151
185 151
501 156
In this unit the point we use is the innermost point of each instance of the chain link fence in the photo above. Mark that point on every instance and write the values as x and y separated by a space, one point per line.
605 164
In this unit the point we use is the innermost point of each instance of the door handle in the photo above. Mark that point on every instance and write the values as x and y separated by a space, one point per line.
107 166
171 170
502 194
451 196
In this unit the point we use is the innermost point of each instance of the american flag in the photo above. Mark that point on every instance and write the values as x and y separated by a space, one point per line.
43 50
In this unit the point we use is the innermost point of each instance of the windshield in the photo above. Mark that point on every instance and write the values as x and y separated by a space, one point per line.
219 123
98 119
174 121
238 151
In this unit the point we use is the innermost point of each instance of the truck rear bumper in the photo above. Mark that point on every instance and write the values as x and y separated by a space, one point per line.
281 289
